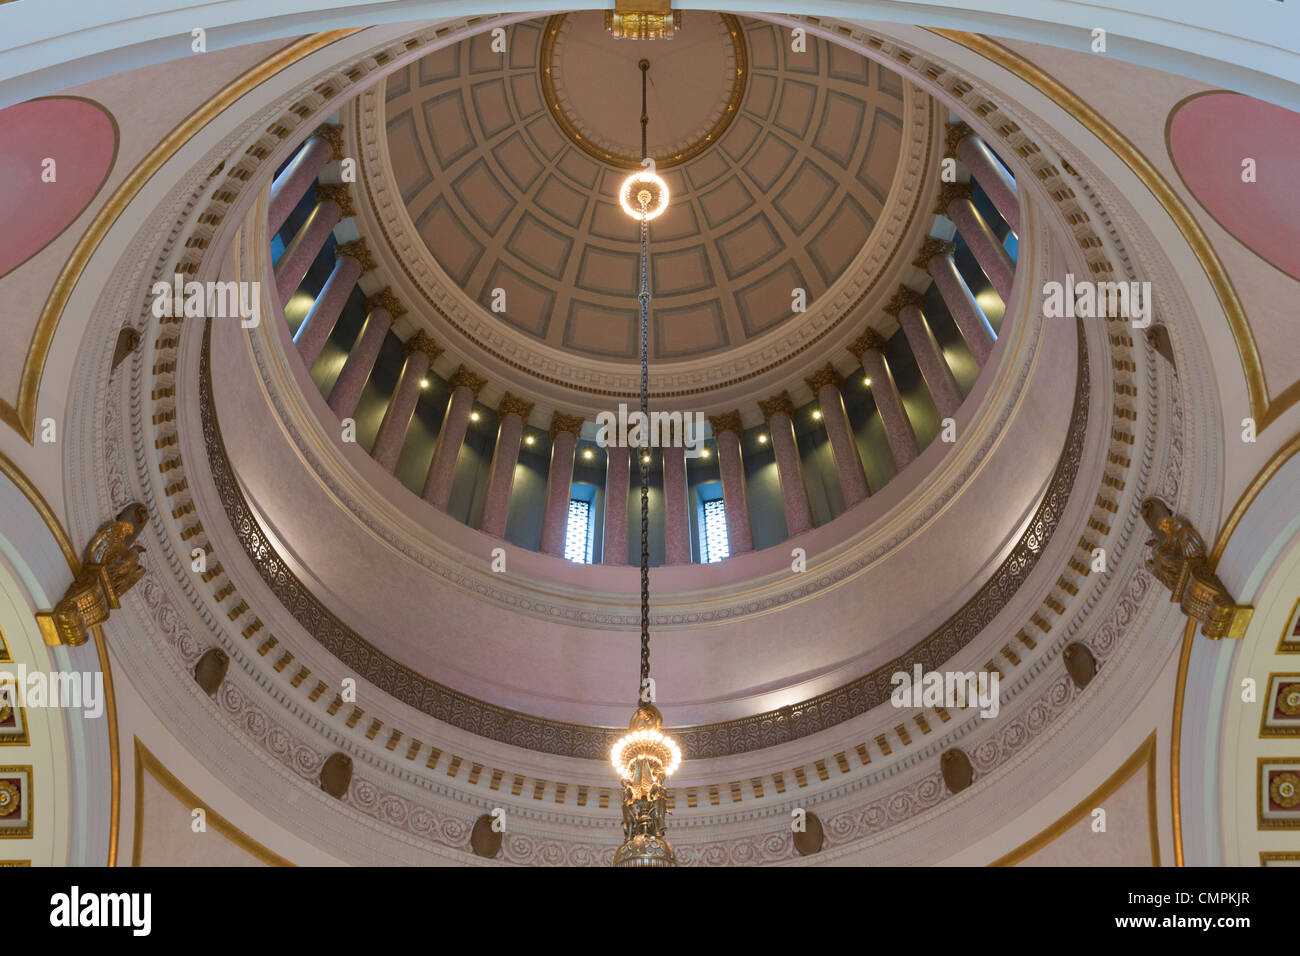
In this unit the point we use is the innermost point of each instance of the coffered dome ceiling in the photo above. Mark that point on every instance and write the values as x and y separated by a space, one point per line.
509 166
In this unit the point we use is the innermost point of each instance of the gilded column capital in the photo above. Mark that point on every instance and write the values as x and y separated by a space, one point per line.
951 193
822 377
727 422
933 248
514 405
868 341
358 250
570 424
464 378
776 405
338 194
953 134
387 301
421 341
332 133
901 299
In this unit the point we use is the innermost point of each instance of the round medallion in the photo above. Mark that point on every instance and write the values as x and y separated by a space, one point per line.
1288 699
592 85
8 798
1285 790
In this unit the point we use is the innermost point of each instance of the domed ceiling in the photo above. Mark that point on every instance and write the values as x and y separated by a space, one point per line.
509 165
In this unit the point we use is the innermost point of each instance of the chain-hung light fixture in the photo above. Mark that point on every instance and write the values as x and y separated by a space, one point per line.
646 756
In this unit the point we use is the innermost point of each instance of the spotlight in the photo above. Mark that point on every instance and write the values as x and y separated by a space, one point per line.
474 416
528 440
762 439
424 383
704 453
866 381
588 454
645 459
817 414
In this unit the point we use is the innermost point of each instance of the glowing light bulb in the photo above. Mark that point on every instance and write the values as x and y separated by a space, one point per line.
474 416
424 383
762 439
817 414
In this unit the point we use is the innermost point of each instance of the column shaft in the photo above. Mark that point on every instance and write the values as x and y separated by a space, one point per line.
991 255
934 367
735 502
677 524
397 417
360 362
292 184
325 311
559 484
501 480
304 248
844 447
451 437
992 177
898 428
966 312
798 513
617 472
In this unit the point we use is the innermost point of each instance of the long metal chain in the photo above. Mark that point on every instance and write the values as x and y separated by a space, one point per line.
644 454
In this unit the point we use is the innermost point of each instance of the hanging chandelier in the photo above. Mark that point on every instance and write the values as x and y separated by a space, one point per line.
645 757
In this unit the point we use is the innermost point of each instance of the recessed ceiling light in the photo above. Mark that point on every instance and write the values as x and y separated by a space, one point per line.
474 416
529 440
704 453
424 383
588 454
866 381
762 439
645 459
817 414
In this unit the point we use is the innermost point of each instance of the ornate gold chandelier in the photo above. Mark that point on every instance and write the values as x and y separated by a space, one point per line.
645 757
643 20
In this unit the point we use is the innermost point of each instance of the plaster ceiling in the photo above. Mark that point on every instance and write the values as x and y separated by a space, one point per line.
497 164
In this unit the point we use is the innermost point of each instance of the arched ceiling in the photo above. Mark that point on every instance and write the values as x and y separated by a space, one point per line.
499 178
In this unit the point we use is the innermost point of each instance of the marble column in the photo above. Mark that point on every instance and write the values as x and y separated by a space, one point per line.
992 256
420 351
383 308
565 432
778 411
464 386
501 480
825 384
963 143
677 518
292 184
869 348
354 260
617 475
906 307
333 204
936 257
727 431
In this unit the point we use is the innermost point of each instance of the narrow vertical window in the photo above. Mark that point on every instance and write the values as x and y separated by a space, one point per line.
578 533
714 546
